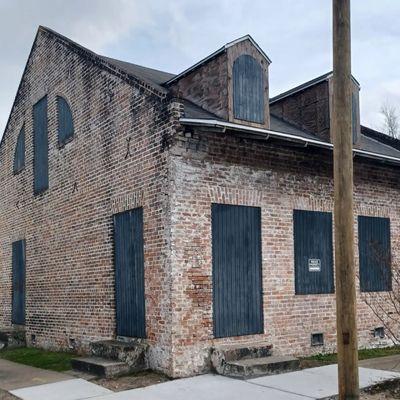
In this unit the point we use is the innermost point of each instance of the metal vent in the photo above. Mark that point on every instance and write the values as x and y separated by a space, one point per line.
317 339
379 332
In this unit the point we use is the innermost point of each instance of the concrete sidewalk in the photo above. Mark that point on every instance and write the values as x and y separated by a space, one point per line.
314 383
15 376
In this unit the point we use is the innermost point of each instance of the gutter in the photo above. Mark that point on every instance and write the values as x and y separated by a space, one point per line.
213 123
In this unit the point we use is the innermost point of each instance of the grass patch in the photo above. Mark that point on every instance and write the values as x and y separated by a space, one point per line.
363 354
54 361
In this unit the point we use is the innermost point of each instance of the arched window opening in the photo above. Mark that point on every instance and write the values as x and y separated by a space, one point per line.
65 122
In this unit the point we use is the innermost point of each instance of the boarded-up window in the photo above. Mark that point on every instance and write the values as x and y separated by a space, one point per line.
248 89
19 155
18 282
236 270
40 146
65 121
313 253
374 253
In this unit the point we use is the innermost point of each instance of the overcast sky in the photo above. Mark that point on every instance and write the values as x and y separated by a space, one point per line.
171 35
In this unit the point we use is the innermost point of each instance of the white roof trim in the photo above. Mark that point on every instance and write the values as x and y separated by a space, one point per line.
212 55
222 124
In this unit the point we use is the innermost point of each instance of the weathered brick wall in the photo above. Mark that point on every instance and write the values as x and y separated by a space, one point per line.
224 169
116 161
206 86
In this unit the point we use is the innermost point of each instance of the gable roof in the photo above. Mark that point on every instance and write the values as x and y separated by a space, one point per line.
149 75
217 53
150 78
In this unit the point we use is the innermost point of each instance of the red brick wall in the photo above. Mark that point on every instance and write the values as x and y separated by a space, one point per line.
207 86
277 179
68 229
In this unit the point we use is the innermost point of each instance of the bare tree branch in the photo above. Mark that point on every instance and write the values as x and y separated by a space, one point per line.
391 119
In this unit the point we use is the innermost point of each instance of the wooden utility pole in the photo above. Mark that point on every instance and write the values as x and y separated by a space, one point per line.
344 219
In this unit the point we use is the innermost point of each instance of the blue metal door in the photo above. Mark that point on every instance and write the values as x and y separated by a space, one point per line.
18 282
129 273
237 270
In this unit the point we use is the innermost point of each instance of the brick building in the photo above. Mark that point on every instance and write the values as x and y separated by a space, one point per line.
188 211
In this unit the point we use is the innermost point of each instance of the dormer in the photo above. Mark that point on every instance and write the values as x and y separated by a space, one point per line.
231 83
309 106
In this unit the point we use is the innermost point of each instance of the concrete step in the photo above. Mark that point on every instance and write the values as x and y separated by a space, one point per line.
223 354
255 367
12 337
243 351
100 366
132 352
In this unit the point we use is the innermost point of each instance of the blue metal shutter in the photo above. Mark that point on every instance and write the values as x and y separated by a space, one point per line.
248 89
374 254
313 250
18 282
65 121
237 270
40 146
129 273
19 156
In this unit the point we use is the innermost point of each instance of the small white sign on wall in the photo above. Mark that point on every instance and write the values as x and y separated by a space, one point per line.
314 265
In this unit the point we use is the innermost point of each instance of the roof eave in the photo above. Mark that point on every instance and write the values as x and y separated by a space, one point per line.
212 123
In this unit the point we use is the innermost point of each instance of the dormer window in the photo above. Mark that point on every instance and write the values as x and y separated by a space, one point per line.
248 90
65 122
19 155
